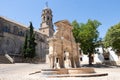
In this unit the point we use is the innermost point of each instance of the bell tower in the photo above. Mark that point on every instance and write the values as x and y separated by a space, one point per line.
46 26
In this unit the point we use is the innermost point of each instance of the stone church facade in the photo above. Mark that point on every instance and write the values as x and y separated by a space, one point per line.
12 36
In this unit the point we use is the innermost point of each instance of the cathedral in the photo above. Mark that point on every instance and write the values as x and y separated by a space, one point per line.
12 37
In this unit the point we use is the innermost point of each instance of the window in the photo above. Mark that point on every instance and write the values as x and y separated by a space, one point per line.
16 30
20 33
44 19
47 11
57 60
47 18
6 29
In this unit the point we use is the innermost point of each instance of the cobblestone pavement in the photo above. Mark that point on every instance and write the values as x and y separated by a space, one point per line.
21 71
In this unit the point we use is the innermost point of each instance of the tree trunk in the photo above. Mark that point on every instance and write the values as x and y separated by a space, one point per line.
90 59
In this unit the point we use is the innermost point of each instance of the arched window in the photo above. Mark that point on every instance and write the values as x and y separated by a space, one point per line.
47 11
43 18
48 18
57 60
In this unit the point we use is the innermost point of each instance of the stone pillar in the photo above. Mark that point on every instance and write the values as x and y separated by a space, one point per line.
61 61
77 61
51 58
72 62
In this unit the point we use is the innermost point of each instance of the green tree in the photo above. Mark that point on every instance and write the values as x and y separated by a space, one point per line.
86 34
25 46
29 44
76 30
112 38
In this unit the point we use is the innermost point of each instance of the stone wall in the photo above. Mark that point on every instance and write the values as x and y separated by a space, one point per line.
11 44
12 37
42 46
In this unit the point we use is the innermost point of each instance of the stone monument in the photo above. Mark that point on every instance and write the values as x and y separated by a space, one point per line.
63 50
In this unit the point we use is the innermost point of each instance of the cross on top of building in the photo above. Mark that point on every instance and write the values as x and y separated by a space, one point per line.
46 4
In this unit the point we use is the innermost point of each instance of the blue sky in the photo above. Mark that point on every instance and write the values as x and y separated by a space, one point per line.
105 11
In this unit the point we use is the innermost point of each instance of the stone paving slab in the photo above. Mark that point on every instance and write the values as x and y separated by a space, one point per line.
22 71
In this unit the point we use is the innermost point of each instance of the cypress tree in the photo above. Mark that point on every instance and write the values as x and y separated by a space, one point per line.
29 48
25 46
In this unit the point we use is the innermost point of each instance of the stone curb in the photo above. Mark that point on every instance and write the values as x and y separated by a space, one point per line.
78 75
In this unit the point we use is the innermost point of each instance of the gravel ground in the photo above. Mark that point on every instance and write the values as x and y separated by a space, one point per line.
21 71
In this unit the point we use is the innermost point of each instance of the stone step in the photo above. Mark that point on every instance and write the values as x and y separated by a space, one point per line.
3 59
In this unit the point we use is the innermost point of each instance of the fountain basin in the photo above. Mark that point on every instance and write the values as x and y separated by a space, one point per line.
68 71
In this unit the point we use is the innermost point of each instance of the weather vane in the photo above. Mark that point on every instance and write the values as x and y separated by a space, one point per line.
46 4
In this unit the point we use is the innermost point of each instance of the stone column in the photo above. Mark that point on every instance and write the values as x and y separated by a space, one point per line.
51 61
61 61
72 61
77 61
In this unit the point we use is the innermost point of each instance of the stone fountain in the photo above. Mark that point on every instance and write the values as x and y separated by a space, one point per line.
64 54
